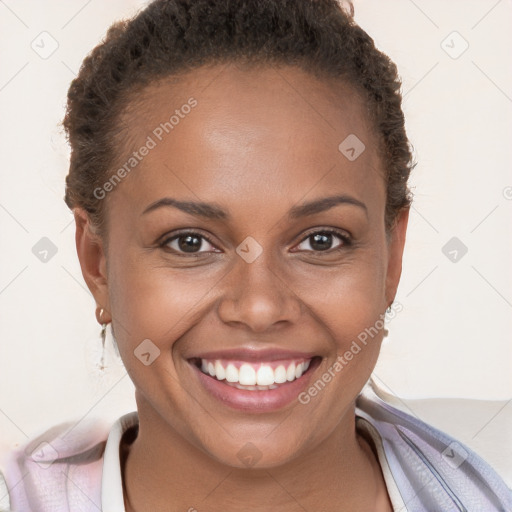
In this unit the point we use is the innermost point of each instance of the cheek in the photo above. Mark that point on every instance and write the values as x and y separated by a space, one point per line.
352 304
155 303
349 299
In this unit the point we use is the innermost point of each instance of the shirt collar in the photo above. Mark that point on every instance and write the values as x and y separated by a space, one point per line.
112 498
111 481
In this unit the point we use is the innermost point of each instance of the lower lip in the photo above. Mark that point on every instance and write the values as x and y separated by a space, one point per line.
255 401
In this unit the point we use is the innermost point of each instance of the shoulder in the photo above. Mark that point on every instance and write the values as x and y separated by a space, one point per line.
61 465
431 469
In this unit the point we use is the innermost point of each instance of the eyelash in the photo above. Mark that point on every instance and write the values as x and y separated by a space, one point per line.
346 241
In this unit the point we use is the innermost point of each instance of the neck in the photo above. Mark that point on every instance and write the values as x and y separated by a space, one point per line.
163 471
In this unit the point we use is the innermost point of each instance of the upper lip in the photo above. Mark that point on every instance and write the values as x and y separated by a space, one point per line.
255 355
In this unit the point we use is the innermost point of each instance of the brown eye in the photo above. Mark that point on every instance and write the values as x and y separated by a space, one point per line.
187 243
322 241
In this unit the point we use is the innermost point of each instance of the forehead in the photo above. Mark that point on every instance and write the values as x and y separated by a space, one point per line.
262 131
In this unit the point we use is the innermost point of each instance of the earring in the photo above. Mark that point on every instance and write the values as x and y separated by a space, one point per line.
388 310
103 335
102 365
103 361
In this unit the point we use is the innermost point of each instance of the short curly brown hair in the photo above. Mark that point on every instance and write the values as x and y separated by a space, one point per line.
171 37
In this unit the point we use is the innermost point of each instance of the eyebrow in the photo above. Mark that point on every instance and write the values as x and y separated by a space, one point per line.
214 211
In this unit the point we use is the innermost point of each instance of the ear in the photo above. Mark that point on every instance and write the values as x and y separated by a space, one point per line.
396 244
92 257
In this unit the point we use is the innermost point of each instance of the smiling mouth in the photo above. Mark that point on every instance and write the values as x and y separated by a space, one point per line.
251 376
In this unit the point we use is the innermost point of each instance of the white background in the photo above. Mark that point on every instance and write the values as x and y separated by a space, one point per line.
452 338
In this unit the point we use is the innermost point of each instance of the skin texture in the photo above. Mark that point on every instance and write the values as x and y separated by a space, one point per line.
260 141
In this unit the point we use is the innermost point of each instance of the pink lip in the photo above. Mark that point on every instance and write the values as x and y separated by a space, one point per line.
254 401
255 355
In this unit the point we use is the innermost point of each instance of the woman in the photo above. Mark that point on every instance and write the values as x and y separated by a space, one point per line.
239 183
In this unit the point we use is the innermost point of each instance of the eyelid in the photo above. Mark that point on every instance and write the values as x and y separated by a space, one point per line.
184 231
342 233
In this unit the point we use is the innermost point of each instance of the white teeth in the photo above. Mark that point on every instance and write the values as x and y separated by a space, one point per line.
280 374
265 376
252 388
290 373
247 375
220 373
259 377
231 373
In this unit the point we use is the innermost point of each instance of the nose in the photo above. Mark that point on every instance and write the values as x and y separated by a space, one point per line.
257 295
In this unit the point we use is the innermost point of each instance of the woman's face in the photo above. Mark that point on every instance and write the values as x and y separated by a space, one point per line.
254 280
